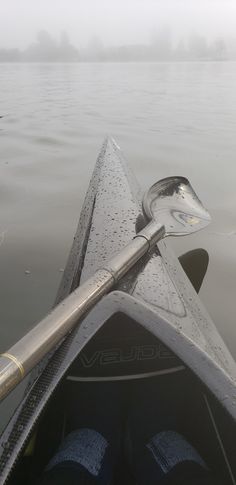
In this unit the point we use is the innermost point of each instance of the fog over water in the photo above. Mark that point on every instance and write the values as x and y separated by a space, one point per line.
116 23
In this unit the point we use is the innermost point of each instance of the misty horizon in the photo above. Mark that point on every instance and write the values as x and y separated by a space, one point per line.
179 29
127 22
162 46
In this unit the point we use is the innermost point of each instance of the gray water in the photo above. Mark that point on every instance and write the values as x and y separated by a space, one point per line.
168 118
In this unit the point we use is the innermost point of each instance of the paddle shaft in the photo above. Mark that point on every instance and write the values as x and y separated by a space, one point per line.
22 357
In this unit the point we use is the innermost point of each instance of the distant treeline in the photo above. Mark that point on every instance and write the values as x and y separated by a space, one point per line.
161 48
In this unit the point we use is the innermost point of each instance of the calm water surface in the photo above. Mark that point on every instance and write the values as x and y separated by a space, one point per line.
169 119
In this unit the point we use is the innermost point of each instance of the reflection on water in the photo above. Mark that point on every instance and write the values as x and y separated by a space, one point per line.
169 119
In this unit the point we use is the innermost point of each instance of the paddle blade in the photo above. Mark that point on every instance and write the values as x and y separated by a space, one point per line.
173 203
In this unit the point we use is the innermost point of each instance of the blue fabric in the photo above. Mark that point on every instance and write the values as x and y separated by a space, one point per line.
166 459
85 447
92 445
170 448
155 442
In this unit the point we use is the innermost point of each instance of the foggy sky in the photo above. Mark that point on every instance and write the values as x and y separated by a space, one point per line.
115 21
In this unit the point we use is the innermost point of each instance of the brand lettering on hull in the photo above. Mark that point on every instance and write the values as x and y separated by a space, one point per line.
121 356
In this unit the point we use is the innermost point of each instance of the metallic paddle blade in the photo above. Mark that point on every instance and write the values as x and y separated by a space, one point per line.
173 203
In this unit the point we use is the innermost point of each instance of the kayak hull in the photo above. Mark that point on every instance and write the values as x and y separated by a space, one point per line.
152 325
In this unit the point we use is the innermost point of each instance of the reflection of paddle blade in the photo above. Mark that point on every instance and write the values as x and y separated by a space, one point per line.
195 265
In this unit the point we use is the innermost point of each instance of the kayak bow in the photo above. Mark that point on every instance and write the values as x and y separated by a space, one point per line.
174 210
152 325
